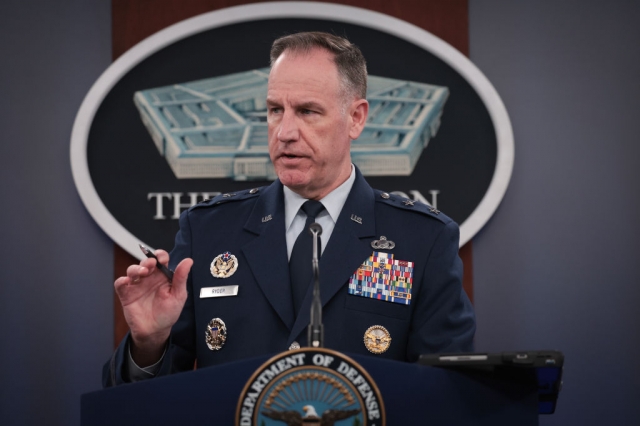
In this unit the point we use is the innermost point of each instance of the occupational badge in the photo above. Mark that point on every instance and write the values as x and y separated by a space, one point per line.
224 265
383 244
377 339
216 334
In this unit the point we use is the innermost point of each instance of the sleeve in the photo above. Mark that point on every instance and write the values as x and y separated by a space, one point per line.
444 320
180 353
137 373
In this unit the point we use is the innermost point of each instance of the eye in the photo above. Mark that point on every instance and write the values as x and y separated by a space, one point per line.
275 110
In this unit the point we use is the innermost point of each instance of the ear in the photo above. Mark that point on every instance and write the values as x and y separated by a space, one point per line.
358 113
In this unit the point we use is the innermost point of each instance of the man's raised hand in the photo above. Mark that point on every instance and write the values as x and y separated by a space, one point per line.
152 305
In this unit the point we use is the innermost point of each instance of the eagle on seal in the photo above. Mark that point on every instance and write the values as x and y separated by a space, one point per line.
311 418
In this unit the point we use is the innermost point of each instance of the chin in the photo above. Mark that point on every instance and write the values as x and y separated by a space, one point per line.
293 179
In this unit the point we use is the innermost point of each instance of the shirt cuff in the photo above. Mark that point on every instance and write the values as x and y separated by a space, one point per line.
137 373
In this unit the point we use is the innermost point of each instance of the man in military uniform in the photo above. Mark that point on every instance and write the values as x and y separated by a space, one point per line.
390 272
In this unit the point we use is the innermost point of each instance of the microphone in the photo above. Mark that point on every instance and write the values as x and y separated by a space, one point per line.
315 334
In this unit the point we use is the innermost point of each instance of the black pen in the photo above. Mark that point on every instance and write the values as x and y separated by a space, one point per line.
166 271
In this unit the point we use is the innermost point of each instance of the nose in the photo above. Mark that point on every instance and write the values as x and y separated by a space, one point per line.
288 130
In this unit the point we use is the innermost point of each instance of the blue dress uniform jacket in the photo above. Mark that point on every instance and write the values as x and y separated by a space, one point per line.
260 319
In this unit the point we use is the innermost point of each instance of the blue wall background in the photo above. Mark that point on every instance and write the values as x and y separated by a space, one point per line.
556 267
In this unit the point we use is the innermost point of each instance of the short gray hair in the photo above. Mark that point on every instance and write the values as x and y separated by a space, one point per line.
352 67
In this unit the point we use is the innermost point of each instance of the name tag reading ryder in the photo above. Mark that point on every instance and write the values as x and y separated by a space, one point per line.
221 291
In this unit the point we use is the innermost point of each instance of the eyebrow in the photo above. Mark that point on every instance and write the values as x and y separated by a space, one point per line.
271 102
310 105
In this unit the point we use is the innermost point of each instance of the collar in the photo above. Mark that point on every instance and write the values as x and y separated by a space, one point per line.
333 202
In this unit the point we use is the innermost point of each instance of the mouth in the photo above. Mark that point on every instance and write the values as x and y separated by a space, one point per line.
291 161
289 156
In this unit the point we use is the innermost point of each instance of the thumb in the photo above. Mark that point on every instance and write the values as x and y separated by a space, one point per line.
180 275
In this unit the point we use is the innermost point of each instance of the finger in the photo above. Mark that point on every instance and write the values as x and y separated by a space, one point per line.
148 263
163 256
121 282
122 286
136 272
151 263
180 276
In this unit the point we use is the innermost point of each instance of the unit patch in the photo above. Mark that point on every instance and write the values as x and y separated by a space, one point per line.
384 278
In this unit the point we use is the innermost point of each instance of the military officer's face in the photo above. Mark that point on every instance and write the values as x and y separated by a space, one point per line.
311 123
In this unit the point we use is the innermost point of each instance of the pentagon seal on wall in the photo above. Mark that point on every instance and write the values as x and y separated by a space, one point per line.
310 387
200 123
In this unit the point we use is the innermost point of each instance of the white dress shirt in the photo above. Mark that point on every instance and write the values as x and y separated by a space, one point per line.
295 218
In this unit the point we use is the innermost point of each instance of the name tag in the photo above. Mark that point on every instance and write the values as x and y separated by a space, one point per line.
221 291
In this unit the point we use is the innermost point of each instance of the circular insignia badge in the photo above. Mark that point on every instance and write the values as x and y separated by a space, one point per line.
310 386
224 265
216 334
377 339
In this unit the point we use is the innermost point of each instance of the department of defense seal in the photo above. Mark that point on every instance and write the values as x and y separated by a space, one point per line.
224 265
377 339
310 386
216 334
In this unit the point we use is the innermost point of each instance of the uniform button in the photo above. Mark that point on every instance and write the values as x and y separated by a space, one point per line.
384 195
253 191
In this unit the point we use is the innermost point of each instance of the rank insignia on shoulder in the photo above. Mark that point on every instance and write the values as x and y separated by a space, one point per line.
216 334
377 339
224 265
384 278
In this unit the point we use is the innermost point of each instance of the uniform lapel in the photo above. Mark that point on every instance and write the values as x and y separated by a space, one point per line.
347 248
267 254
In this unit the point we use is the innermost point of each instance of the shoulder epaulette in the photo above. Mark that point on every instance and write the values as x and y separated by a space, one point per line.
410 205
228 197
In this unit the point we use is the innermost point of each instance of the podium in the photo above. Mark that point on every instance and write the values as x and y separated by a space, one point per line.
413 395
